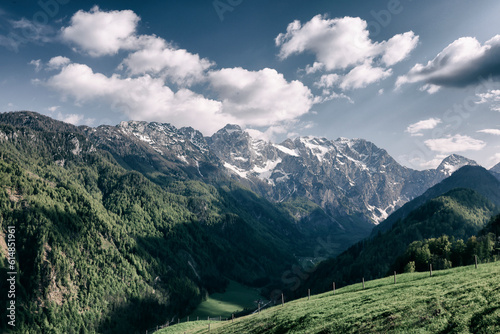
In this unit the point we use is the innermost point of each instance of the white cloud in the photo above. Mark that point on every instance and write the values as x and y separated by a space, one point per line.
159 58
363 75
428 124
102 33
495 132
74 119
463 62
315 67
457 143
249 98
142 98
399 47
328 80
430 88
37 63
53 108
344 44
260 98
492 97
57 63
336 43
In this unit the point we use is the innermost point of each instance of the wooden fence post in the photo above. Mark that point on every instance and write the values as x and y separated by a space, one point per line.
232 317
430 269
259 307
282 300
363 283
475 260
333 287
308 294
188 319
394 277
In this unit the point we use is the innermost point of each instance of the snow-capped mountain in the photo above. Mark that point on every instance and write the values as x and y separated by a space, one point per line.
346 177
352 180
452 163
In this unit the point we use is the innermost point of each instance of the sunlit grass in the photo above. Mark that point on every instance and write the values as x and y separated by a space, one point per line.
236 298
461 300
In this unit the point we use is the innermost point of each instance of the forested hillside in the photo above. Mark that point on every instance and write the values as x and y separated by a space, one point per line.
458 214
99 247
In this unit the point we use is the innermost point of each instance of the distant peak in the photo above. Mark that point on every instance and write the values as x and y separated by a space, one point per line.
233 127
496 168
229 129
454 162
457 160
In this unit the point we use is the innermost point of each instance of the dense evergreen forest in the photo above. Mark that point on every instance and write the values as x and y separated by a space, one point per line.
104 249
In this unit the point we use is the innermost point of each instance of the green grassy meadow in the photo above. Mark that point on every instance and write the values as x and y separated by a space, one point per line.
460 300
236 298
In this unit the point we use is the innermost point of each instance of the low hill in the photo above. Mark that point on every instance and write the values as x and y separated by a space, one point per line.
471 177
460 300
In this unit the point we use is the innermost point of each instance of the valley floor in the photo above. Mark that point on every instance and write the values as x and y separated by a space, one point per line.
460 300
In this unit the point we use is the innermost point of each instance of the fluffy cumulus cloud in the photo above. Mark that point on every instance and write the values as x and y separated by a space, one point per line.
57 63
102 33
154 79
456 143
417 128
363 75
343 44
157 57
262 97
143 98
463 62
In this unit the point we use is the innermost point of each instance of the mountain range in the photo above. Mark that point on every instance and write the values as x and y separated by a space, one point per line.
347 178
164 215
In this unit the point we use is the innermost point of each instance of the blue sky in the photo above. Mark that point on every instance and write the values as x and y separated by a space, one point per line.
418 78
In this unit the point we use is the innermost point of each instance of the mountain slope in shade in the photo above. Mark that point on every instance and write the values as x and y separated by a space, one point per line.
495 170
459 213
470 177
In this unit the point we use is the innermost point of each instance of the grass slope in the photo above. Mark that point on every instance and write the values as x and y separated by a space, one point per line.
460 300
236 298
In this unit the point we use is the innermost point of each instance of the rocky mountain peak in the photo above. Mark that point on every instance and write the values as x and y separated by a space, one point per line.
453 162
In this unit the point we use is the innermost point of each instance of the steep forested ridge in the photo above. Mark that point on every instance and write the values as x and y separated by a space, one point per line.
102 248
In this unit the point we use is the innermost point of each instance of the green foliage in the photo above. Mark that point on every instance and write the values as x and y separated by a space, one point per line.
444 253
105 249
